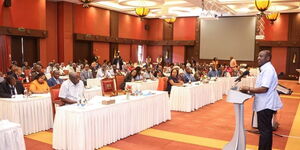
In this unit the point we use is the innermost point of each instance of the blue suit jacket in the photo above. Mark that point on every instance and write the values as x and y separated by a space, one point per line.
51 82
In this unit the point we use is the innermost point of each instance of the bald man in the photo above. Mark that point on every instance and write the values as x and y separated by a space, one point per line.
72 90
267 100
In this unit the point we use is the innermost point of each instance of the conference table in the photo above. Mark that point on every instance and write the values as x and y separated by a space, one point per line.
11 136
33 113
143 85
190 97
94 125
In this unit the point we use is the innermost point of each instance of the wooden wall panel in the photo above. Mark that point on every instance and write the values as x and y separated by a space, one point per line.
114 24
294 27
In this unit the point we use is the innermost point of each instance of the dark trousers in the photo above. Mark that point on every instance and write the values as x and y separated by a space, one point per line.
264 118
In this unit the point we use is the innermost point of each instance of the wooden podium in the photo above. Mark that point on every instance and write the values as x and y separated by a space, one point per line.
238 141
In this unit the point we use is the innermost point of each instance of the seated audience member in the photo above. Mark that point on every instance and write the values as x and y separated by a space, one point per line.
173 80
10 87
57 67
94 68
158 74
130 77
86 74
103 72
73 67
11 70
188 75
221 71
1 77
236 71
25 66
72 90
213 72
139 75
49 68
114 71
148 73
54 80
39 85
18 74
37 69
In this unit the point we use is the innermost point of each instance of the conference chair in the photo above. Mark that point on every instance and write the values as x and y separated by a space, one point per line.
56 101
162 84
108 87
119 80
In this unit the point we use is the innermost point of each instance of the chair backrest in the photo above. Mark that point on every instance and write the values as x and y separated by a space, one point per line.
108 86
54 92
162 84
57 86
119 81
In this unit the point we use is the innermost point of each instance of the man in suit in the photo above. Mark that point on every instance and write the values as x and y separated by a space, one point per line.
118 62
54 80
10 87
86 74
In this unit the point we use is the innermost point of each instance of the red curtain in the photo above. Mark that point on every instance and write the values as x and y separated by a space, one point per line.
5 57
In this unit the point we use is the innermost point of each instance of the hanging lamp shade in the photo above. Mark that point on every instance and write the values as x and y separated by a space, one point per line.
142 11
170 20
262 5
273 16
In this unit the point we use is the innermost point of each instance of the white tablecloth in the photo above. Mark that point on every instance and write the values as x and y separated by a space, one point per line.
92 92
11 136
228 82
34 114
141 85
192 97
96 125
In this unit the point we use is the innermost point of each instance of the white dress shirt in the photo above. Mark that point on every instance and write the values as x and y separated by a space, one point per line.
70 91
269 100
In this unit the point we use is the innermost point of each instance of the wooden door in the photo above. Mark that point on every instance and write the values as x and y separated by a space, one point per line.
293 62
82 50
113 50
24 49
31 50
16 50
189 53
168 53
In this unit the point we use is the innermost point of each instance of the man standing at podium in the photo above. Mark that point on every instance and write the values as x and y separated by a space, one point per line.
267 100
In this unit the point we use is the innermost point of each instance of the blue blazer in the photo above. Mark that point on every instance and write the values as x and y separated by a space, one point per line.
51 82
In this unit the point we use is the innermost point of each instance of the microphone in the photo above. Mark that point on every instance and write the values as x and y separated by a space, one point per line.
241 76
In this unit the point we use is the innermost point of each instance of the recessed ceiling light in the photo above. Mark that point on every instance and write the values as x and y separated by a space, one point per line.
243 10
113 4
174 2
141 3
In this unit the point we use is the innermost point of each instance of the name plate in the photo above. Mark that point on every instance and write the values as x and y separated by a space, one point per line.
108 102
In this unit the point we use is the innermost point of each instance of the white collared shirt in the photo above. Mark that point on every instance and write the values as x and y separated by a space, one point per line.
269 100
70 91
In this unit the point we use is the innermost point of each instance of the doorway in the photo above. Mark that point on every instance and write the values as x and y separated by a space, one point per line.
83 50
24 49
293 62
